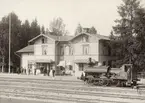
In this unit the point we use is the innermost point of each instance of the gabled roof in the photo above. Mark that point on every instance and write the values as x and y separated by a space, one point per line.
27 49
52 36
100 37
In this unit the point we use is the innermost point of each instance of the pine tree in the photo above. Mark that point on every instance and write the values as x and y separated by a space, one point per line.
25 34
15 36
43 29
78 29
93 30
34 28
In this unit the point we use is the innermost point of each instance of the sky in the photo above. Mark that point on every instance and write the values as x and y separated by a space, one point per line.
98 13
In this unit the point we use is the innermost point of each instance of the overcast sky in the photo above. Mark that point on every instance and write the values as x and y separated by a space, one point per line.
98 13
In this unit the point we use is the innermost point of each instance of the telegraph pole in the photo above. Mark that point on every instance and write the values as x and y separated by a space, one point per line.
10 43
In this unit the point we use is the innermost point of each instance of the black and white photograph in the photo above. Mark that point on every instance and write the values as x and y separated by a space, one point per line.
72 51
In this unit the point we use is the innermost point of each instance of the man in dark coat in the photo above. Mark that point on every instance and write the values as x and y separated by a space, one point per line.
53 72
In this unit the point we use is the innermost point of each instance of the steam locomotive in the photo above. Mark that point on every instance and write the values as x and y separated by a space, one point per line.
107 76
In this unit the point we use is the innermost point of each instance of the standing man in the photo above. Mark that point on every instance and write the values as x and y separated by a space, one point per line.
53 71
33 69
18 70
45 71
48 71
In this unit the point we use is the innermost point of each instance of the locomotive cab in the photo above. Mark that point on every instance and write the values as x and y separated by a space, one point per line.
130 74
128 71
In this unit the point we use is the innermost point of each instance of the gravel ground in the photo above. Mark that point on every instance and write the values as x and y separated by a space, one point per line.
33 89
18 100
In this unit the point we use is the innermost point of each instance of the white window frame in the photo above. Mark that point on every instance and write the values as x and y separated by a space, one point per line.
85 47
44 49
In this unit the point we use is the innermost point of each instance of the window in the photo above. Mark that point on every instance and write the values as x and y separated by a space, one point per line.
30 65
44 49
42 40
81 66
127 68
61 50
109 51
85 39
85 49
70 67
67 50
71 51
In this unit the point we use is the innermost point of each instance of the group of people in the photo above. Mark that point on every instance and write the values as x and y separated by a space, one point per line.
21 70
34 71
49 72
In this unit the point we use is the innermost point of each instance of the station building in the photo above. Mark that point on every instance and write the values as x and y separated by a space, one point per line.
69 53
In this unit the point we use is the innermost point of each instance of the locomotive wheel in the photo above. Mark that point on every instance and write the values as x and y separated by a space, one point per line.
101 82
114 82
109 82
120 84
90 80
123 84
105 82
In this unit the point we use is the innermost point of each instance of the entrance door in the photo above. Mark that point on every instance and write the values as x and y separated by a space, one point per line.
43 67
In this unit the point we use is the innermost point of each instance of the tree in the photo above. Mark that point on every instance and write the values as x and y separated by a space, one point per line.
20 34
34 29
93 30
129 31
47 31
58 27
139 44
15 36
25 35
43 29
79 29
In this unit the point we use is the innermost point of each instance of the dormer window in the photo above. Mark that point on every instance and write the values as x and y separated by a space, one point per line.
42 40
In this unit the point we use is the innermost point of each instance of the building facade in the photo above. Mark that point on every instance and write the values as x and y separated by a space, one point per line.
65 53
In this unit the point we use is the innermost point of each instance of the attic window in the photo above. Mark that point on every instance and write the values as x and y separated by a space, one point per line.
42 40
85 39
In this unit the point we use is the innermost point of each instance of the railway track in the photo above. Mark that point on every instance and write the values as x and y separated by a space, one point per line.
69 85
38 90
61 91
